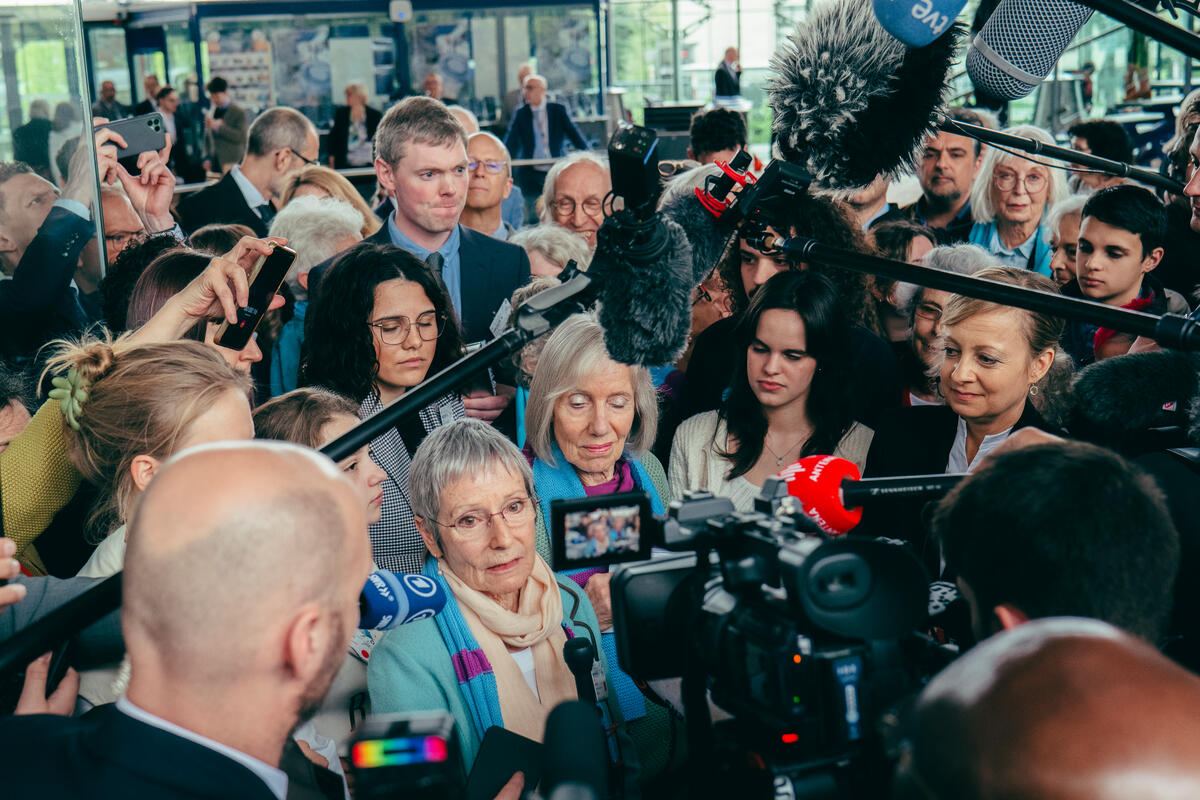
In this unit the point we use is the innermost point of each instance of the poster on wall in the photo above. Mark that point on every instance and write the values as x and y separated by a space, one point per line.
243 58
564 55
302 71
444 48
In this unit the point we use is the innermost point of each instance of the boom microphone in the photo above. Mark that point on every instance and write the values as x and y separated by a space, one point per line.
832 494
1020 44
851 101
390 599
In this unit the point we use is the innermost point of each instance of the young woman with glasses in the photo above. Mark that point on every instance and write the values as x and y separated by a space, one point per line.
1008 202
381 323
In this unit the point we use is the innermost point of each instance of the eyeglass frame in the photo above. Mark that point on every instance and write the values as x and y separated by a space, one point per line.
441 326
917 313
307 161
996 178
123 236
599 209
533 506
473 164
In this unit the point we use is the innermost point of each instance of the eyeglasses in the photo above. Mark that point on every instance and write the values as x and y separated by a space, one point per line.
394 330
300 156
929 311
494 167
475 523
565 206
122 239
1034 182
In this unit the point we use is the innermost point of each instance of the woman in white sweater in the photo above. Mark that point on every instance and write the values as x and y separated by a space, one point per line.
789 396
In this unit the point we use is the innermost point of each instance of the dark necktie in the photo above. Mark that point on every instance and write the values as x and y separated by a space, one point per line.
267 212
435 262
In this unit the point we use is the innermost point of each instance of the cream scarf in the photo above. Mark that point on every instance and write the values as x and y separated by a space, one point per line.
536 624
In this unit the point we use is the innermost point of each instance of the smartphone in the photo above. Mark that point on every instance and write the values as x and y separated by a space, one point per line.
591 531
265 280
501 755
142 134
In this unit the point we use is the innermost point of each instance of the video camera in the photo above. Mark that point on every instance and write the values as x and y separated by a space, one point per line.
804 638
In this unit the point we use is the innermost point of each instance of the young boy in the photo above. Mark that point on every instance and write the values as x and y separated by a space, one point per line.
1121 238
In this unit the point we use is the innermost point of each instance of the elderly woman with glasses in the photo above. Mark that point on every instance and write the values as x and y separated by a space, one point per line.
382 322
1008 202
493 656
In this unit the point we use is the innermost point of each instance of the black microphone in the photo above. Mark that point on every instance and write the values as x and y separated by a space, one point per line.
575 766
851 101
1133 393
580 655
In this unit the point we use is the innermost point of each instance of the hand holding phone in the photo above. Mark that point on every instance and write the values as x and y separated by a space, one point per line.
265 280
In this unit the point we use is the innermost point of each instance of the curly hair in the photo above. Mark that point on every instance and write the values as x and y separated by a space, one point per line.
124 273
341 350
826 220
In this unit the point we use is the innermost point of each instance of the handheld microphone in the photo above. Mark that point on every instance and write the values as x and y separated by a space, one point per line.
832 494
390 599
580 655
1020 44
917 23
576 766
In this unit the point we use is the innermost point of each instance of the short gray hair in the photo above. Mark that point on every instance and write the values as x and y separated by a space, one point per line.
554 242
420 120
312 226
961 259
533 76
982 209
575 350
465 447
1071 207
459 113
686 183
578 157
278 128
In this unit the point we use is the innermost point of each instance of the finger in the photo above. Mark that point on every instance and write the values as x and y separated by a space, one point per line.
9 568
62 701
219 285
277 301
8 548
11 594
512 790
165 153
33 693
107 136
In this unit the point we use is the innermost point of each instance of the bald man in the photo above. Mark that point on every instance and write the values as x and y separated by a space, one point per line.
240 601
1059 709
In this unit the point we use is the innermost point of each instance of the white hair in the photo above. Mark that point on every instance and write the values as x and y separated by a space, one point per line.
687 183
1071 207
533 76
962 259
982 209
561 166
554 242
314 227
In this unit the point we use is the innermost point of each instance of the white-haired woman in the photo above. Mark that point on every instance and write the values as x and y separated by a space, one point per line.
1063 221
493 656
590 423
550 247
1008 202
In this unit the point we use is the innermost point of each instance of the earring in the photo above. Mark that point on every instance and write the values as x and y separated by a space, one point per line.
1033 390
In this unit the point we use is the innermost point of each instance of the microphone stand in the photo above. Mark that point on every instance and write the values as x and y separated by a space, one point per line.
540 315
1169 330
1149 23
1118 168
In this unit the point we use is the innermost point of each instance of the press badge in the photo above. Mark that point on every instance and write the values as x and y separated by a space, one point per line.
500 321
598 681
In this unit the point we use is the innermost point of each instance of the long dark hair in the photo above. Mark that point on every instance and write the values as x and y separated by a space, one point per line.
826 332
340 349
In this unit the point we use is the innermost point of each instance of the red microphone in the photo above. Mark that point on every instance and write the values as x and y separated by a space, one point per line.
832 494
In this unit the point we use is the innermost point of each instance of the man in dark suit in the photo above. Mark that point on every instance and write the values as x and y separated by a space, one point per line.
223 671
539 129
728 77
149 104
421 162
281 141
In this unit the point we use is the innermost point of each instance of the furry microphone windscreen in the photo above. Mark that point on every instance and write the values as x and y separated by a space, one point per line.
709 240
851 101
1129 394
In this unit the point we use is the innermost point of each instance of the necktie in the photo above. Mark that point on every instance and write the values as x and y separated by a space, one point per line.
266 212
434 261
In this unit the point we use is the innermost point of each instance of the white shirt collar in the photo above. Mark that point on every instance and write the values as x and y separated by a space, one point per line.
253 196
958 463
275 778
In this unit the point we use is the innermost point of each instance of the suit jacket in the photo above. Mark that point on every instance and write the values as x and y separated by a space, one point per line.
31 145
144 107
728 82
221 202
491 272
339 134
228 145
519 139
916 441
111 755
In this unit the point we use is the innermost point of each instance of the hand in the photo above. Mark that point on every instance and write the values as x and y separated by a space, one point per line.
79 173
152 190
512 790
1026 437
599 593
9 569
33 694
214 294
312 755
1144 344
487 406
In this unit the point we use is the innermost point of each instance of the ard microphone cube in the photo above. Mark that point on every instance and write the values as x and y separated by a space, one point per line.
917 22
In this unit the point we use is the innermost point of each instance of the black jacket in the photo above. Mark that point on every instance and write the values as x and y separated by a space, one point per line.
111 755
339 134
916 441
491 272
222 202
519 139
727 82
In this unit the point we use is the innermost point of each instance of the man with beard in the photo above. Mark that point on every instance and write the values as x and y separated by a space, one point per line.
239 603
947 171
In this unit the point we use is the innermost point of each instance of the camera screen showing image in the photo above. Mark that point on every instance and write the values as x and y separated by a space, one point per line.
595 531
